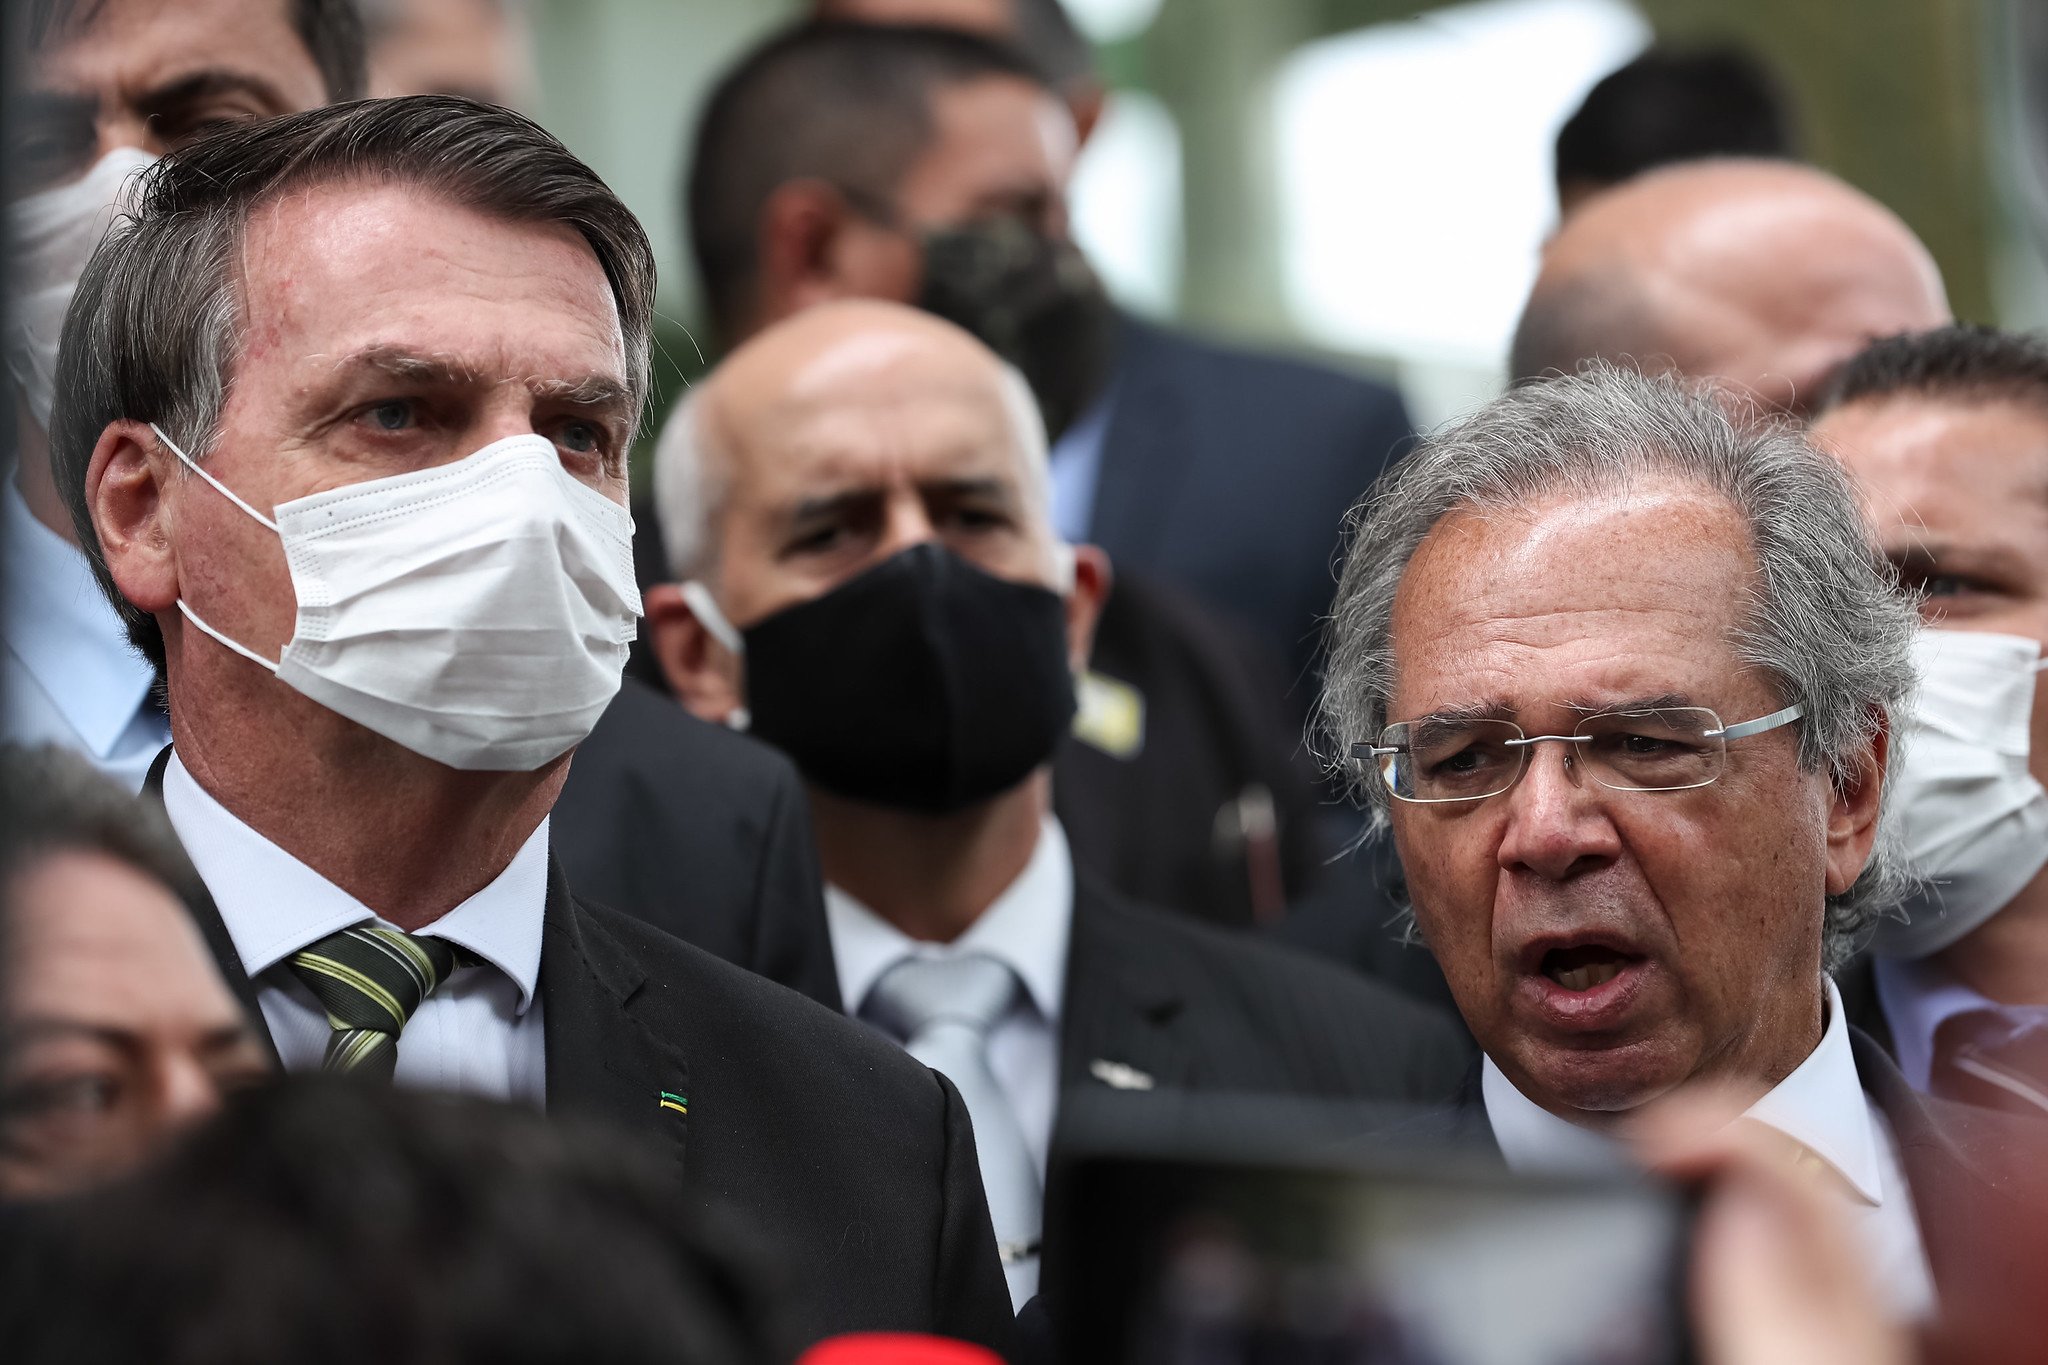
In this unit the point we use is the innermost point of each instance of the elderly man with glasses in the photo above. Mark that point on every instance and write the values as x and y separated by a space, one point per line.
1619 667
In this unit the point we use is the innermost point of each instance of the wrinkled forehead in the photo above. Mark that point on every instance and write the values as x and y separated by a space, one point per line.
1579 599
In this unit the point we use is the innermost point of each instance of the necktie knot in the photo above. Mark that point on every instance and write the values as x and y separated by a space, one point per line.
370 980
971 990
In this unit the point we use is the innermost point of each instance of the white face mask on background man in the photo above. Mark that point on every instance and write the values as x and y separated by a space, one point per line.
478 612
51 235
1974 818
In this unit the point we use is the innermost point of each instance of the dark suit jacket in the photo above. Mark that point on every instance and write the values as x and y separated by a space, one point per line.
853 1165
1163 825
1229 472
1975 1176
699 832
1196 1008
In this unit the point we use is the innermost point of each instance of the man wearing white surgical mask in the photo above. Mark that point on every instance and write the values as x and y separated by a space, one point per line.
346 406
108 86
1948 432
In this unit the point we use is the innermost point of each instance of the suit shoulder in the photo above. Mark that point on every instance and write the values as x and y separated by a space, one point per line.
647 731
1266 377
1269 970
730 1010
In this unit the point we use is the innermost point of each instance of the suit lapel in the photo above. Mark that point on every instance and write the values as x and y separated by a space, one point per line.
1144 455
1948 1194
214 929
604 1060
1123 1024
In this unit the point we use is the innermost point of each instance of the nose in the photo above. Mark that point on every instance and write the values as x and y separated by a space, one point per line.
906 522
1557 823
189 1092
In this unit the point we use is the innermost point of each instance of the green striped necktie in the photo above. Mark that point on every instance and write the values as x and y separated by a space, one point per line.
370 980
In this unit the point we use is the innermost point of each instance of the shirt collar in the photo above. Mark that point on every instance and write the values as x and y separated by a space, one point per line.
64 630
273 904
1917 999
1026 927
1820 1105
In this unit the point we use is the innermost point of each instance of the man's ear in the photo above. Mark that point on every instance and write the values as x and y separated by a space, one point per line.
708 678
798 246
1093 579
125 485
1854 805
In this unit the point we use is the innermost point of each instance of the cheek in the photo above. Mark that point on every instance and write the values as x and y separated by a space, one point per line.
1451 874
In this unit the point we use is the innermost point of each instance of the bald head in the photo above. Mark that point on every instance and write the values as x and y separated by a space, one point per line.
1765 274
835 403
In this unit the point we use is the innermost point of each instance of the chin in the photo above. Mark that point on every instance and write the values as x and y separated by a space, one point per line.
1609 1080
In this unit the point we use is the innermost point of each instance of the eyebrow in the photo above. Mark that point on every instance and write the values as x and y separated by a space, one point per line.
593 390
35 1029
212 81
824 505
1500 710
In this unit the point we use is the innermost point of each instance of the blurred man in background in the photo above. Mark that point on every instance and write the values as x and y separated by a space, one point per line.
1948 433
1670 105
1763 274
857 504
482 49
1638 798
97 91
116 1029
344 411
929 166
846 161
1041 29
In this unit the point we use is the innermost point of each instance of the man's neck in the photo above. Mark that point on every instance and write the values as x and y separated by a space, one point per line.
408 837
2005 959
33 477
932 876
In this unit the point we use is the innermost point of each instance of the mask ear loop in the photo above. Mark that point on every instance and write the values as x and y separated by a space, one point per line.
190 615
1063 573
218 486
720 629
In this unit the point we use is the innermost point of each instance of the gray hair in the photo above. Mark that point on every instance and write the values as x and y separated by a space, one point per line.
692 475
1826 620
154 331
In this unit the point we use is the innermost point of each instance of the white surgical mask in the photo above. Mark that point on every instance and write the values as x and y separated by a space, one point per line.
1975 821
51 235
477 613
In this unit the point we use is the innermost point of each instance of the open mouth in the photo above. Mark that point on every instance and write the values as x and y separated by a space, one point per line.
1584 967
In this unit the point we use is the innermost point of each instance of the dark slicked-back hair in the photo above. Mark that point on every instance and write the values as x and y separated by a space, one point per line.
332 31
1964 361
155 329
1670 105
846 103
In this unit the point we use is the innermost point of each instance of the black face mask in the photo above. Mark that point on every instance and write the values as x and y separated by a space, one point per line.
1033 300
924 683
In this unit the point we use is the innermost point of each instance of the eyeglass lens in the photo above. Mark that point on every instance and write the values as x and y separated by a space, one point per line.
1667 749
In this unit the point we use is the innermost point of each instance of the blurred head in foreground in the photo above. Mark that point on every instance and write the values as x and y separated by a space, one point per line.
1620 668
325 1220
1762 274
115 1027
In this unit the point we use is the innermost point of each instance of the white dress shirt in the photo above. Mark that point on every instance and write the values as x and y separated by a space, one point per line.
1821 1105
481 1033
1027 927
68 675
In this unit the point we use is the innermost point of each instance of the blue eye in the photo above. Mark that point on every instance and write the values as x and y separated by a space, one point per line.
581 437
395 415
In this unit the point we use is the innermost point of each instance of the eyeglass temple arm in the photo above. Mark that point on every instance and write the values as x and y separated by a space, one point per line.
1760 724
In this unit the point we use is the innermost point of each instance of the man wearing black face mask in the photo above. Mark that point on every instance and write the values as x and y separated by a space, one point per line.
856 506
